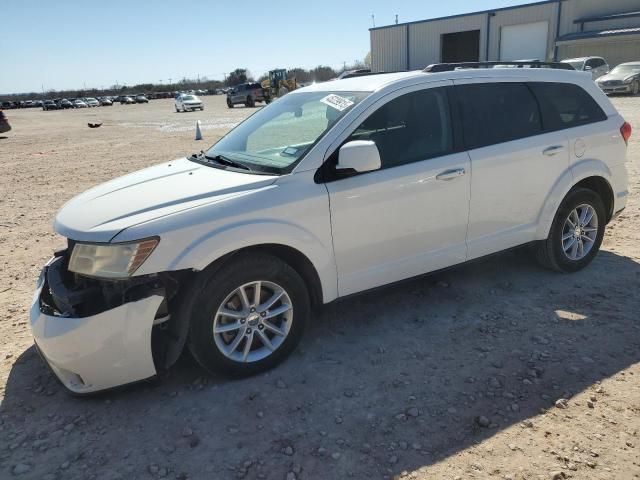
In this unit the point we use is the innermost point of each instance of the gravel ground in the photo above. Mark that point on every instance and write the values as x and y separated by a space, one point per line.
496 369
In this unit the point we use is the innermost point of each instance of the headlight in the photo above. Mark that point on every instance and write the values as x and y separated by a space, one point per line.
110 260
628 80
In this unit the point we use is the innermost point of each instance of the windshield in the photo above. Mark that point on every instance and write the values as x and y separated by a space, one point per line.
577 64
626 70
188 97
279 135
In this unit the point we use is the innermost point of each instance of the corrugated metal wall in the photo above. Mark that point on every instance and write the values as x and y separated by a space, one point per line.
424 38
389 49
614 50
389 44
576 9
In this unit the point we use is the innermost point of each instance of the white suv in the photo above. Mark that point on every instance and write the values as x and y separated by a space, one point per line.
596 66
334 189
186 102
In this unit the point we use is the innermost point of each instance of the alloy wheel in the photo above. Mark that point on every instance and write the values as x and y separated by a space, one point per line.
253 321
579 232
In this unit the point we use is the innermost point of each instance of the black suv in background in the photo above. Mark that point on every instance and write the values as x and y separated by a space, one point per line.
247 94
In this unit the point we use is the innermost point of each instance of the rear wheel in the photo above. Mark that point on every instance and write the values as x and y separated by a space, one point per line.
248 316
229 103
576 232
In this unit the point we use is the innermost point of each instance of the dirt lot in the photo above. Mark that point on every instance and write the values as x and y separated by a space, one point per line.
452 376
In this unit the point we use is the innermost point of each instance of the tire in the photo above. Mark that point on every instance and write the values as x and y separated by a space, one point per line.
551 254
636 88
218 289
229 103
177 110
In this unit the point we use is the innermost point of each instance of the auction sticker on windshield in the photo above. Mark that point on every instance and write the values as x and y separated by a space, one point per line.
337 102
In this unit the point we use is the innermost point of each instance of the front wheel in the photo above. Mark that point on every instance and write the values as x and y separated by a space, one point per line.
636 88
247 316
576 232
229 103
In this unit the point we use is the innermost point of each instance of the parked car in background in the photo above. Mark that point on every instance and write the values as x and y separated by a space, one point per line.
105 101
77 103
188 103
625 78
64 104
91 102
7 105
4 123
141 99
126 100
246 94
354 73
38 103
334 189
596 65
49 105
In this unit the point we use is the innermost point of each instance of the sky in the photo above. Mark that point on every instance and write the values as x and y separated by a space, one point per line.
65 44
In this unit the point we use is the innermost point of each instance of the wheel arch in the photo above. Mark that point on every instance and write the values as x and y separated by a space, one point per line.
291 256
592 174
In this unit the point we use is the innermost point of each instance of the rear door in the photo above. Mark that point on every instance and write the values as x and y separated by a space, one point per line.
514 162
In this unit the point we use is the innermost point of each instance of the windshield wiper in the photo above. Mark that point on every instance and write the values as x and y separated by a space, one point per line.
223 161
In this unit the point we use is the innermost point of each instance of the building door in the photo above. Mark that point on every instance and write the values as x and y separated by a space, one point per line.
527 41
461 47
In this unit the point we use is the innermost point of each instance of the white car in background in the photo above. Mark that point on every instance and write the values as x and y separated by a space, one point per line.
92 102
334 189
187 102
597 66
77 103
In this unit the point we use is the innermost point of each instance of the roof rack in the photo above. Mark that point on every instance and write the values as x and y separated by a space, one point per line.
448 67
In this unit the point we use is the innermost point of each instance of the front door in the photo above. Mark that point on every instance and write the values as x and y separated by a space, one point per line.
409 217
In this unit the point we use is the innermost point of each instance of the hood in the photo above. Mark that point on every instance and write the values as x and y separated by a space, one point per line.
99 214
619 76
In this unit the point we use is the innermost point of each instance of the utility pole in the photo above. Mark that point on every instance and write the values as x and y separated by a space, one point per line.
396 18
373 20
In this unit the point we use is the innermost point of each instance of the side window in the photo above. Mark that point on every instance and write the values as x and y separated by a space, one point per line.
494 113
565 105
413 127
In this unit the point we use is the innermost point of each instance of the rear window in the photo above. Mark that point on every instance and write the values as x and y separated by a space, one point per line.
494 113
565 105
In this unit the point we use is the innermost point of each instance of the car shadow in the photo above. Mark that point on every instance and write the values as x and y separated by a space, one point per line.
385 382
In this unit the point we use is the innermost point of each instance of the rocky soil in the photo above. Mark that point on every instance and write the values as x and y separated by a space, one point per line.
497 369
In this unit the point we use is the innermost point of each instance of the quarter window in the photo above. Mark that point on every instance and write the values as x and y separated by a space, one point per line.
413 127
494 113
565 105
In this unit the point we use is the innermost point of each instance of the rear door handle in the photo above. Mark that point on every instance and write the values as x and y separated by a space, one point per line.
551 151
450 174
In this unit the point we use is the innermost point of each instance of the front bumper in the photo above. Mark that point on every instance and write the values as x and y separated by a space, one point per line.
617 88
97 352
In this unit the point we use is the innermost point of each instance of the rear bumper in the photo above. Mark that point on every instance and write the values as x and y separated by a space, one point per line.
97 352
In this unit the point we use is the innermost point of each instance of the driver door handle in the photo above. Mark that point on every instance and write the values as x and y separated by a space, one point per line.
451 174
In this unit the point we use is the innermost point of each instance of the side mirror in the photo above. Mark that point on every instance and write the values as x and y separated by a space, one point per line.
358 156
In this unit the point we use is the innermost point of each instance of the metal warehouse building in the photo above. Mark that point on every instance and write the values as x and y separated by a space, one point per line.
549 30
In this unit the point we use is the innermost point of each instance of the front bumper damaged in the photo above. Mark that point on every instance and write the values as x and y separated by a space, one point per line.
90 343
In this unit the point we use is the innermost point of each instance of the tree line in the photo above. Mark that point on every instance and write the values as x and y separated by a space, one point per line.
321 73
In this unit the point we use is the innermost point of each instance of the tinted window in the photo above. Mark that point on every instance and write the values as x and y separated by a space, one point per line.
497 112
410 128
565 105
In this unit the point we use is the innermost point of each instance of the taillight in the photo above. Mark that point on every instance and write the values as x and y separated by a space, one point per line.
625 131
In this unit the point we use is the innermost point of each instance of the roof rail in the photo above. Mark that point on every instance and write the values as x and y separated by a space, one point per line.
448 67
